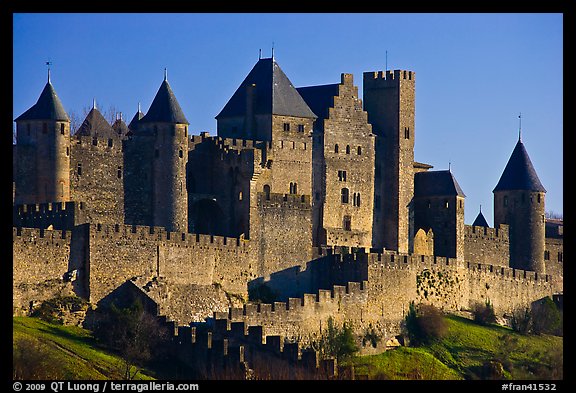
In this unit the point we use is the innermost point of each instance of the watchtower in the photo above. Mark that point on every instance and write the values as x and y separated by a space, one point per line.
43 161
389 99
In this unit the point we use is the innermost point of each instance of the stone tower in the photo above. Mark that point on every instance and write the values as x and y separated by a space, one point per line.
519 202
439 205
389 99
43 161
167 127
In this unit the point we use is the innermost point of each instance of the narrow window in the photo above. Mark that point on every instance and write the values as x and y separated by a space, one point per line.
446 204
240 196
267 191
336 148
95 141
345 194
67 151
347 223
406 133
546 255
348 149
61 189
538 198
180 153
293 188
62 128
358 200
359 150
300 127
460 204
293 145
79 170
119 172
110 143
560 256
286 126
341 175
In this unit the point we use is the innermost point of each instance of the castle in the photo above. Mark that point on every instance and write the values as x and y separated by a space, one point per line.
311 192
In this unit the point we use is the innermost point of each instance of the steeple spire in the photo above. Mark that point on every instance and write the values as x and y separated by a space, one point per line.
520 127
93 103
165 74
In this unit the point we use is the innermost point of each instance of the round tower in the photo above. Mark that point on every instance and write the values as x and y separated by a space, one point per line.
43 155
168 126
519 202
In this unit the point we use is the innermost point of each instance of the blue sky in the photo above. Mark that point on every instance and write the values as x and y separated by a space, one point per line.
474 74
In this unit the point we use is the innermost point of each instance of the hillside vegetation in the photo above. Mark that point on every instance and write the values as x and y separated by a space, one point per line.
47 351
470 351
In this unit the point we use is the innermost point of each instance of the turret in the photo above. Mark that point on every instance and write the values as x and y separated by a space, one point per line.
519 202
167 126
43 160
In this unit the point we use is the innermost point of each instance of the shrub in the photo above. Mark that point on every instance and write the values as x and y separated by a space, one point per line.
424 324
546 318
521 320
336 342
484 313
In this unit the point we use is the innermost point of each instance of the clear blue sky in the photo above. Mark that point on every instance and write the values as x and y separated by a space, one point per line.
475 73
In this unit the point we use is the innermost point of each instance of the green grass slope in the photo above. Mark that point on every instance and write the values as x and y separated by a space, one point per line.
67 352
463 351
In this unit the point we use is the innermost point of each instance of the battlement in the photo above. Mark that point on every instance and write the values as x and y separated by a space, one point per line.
98 142
390 75
290 201
61 215
394 260
159 234
26 235
500 233
507 272
226 143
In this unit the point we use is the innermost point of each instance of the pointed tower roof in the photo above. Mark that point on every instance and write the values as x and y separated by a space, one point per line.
137 116
165 107
120 127
274 94
480 221
519 173
436 183
96 125
48 107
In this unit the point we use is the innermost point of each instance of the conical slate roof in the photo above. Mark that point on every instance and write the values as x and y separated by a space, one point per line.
436 183
165 107
519 173
480 221
134 122
48 107
96 125
274 94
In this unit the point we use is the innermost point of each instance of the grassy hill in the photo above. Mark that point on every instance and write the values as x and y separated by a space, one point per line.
62 352
462 353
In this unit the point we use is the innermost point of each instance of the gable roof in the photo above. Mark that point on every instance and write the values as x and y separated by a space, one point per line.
436 183
48 107
319 98
519 173
165 108
274 94
96 125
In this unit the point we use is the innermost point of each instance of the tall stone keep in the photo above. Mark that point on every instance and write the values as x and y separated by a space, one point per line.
168 127
519 202
389 99
43 162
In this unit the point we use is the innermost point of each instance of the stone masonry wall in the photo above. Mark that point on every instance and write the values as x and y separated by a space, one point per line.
487 245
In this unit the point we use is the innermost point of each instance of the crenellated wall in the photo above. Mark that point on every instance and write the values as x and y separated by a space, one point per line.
487 245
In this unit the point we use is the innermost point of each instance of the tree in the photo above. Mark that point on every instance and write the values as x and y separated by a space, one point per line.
336 342
133 334
484 313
